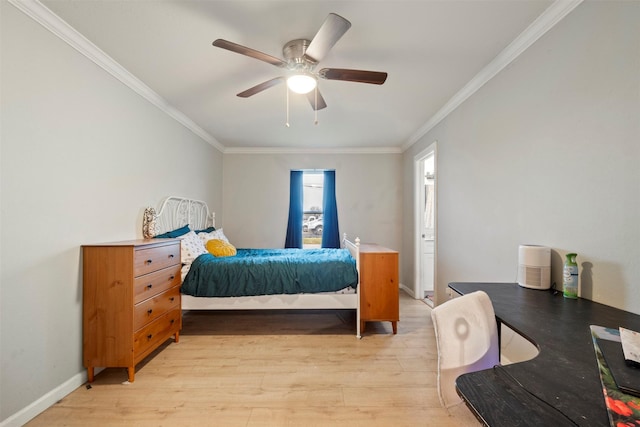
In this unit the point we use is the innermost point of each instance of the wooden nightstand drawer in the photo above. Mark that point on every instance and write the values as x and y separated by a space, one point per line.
152 259
152 284
155 333
151 309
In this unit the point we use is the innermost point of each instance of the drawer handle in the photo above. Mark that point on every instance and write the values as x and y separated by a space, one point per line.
150 311
149 286
170 255
172 299
149 336
172 277
149 261
172 321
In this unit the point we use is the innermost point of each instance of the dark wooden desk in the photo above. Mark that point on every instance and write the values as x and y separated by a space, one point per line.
564 374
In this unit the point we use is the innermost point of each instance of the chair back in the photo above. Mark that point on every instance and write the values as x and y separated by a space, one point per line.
467 339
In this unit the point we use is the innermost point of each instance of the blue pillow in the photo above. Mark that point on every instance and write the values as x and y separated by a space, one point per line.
174 233
206 230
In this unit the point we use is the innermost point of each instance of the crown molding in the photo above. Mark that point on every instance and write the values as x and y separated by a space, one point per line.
52 22
302 150
547 20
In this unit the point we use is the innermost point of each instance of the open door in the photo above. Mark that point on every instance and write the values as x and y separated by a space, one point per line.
425 215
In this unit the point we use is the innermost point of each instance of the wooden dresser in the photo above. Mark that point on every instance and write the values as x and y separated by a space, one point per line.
379 291
131 301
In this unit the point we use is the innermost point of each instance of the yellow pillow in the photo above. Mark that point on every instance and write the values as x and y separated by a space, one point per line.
220 248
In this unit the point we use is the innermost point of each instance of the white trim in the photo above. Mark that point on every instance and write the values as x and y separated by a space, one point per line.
44 16
547 20
408 290
35 408
52 22
302 150
417 174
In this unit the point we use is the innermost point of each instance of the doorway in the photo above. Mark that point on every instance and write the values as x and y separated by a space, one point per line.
425 224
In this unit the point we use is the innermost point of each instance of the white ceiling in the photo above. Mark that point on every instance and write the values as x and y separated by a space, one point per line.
430 49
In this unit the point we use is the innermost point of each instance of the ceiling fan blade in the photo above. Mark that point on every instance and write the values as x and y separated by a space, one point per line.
360 76
329 33
259 88
247 51
311 96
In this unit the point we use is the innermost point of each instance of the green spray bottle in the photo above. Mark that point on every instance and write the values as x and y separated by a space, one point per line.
570 277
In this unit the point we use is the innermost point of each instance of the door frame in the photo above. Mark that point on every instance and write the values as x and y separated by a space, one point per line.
418 184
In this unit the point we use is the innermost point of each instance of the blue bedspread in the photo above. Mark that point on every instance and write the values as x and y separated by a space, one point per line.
271 271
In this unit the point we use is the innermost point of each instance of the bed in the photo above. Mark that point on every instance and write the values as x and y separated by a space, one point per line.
175 213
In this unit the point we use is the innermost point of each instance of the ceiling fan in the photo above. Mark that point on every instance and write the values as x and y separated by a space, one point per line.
301 58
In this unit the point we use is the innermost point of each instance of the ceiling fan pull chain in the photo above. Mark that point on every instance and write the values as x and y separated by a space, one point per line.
315 110
287 89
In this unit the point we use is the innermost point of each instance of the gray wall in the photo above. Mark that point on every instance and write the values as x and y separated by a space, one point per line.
546 153
256 196
81 156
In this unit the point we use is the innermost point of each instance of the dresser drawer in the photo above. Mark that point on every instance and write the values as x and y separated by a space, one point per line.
152 259
152 284
155 307
156 332
131 301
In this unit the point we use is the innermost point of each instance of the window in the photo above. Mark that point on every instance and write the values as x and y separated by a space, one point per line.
312 193
312 203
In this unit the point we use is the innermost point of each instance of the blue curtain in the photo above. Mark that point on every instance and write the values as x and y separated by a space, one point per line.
294 226
330 231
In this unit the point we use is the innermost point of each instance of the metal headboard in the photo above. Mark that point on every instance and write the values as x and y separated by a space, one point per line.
176 212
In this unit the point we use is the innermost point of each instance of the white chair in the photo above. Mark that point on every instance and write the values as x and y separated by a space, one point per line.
467 339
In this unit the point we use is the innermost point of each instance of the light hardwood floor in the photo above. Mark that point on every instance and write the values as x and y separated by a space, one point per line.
274 369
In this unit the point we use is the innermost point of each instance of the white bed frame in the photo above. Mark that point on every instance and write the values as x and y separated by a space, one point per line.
176 212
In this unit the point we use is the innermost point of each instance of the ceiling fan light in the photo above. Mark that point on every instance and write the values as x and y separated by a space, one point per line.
302 83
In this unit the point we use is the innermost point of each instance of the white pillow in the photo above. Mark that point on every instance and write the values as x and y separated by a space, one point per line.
216 234
191 247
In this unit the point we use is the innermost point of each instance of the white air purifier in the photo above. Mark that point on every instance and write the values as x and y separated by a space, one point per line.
534 266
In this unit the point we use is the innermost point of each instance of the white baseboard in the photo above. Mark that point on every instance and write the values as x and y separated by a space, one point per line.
31 411
408 290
